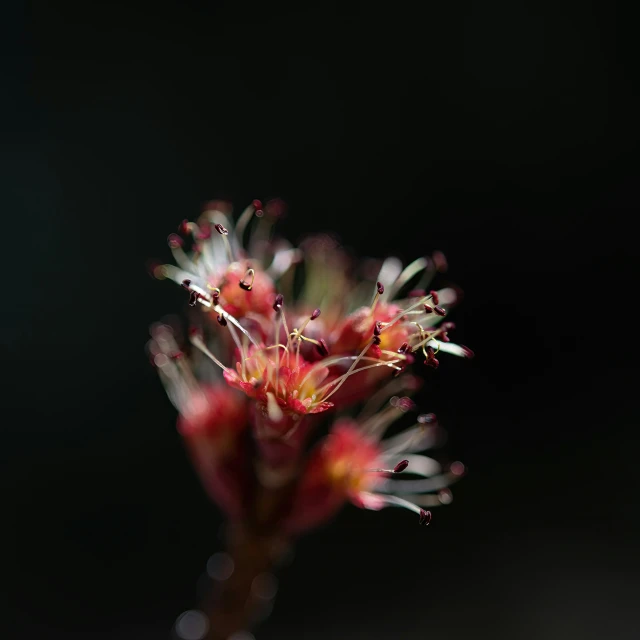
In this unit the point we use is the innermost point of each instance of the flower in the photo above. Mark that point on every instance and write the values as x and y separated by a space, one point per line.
269 363
354 464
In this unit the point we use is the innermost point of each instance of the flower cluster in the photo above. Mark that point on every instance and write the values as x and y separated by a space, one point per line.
285 340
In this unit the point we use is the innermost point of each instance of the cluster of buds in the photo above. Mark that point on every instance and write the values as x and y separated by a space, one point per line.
297 370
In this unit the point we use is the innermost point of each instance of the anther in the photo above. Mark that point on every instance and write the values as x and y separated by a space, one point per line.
434 363
427 418
321 348
401 466
277 305
257 204
377 329
183 227
250 276
193 299
377 340
186 284
425 517
434 297
315 314
440 311
457 468
405 404
220 229
467 352
175 241
404 348
380 288
428 308
222 321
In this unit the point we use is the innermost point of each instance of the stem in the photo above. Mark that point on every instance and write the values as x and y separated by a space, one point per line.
255 546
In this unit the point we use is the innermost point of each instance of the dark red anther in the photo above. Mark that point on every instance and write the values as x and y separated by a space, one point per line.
380 288
425 517
193 299
417 293
440 311
277 305
401 466
405 404
175 241
428 308
220 229
315 314
434 297
467 352
404 348
186 284
183 227
244 285
257 204
222 321
427 418
434 363
377 339
377 329
322 348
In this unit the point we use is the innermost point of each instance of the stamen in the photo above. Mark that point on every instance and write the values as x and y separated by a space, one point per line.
175 241
198 342
399 468
250 275
224 232
321 348
376 296
425 517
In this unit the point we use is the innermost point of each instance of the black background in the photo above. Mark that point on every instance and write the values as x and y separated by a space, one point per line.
503 133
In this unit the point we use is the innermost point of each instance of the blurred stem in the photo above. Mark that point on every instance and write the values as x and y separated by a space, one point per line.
255 546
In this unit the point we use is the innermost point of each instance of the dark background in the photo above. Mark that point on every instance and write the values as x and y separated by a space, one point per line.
503 133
